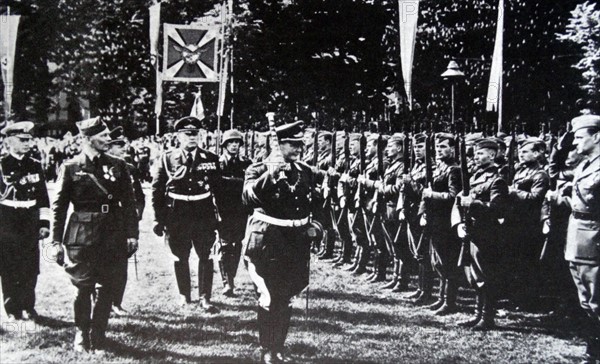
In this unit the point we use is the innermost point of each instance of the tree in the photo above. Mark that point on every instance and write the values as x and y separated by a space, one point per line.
583 30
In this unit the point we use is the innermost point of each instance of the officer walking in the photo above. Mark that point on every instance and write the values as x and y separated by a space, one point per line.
583 243
118 148
234 215
278 236
25 215
185 186
102 230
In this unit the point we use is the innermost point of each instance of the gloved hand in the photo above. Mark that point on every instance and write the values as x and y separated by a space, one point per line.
158 229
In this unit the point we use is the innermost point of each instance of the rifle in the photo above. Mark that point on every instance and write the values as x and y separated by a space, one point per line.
327 184
252 145
246 140
466 189
362 167
380 172
553 186
406 163
511 157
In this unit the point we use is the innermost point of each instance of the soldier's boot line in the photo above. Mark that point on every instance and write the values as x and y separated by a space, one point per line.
488 311
355 259
100 316
226 276
82 308
182 275
283 323
478 313
426 284
441 300
363 259
395 276
205 280
449 305
403 278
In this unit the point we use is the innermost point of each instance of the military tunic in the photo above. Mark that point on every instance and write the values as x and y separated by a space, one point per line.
24 209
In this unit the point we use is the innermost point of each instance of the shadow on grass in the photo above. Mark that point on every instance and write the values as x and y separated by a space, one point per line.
52 322
149 354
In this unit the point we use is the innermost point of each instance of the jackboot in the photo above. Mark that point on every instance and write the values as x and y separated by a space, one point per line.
441 297
478 313
355 260
449 305
395 277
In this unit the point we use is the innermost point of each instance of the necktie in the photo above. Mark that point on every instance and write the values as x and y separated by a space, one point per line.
189 161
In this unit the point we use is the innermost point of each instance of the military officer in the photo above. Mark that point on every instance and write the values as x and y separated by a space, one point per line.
25 215
232 211
118 148
523 222
583 240
436 207
485 208
186 188
101 232
278 235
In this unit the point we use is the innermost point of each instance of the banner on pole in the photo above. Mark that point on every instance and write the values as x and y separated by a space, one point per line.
408 16
494 94
154 32
190 53
8 44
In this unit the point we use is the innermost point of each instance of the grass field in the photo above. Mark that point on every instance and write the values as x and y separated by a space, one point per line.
348 321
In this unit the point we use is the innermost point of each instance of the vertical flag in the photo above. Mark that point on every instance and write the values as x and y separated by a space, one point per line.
408 16
9 24
494 95
198 108
154 34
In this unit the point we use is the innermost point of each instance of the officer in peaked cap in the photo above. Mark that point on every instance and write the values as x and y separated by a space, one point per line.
186 190
25 215
278 235
100 233
582 249
232 211
118 147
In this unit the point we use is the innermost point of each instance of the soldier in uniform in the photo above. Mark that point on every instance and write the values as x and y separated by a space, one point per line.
583 240
118 148
484 208
101 232
278 236
436 207
524 224
25 215
414 183
186 186
232 227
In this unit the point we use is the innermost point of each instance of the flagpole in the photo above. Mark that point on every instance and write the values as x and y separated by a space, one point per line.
7 87
230 9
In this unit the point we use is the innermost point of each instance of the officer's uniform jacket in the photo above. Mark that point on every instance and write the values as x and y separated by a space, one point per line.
24 208
104 208
278 228
183 197
583 232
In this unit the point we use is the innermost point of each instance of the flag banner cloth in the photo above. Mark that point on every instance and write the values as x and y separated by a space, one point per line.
198 108
190 53
154 32
494 95
8 42
408 18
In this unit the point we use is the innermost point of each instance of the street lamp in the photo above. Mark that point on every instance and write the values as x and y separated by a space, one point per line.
453 73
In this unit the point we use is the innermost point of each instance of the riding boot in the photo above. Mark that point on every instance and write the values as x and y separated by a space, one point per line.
395 277
403 278
488 311
449 305
441 298
478 312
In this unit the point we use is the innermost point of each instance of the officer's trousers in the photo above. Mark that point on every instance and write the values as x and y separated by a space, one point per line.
202 239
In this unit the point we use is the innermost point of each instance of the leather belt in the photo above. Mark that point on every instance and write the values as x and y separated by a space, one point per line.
176 196
18 204
280 222
585 216
104 208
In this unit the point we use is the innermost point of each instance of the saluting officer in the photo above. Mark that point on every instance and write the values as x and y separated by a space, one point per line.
583 238
278 236
118 148
185 187
485 210
232 211
102 230
25 215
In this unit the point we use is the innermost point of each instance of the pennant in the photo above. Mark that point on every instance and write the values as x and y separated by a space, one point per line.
9 25
198 108
154 32
408 13
190 53
494 95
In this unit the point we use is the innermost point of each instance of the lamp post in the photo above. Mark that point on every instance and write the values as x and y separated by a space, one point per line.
452 73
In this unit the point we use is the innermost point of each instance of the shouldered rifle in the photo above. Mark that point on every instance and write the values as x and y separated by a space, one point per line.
362 166
347 152
510 160
327 181
315 156
377 197
466 189
252 145
406 164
